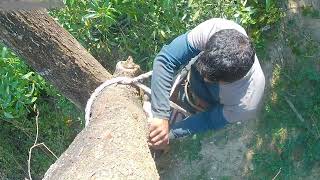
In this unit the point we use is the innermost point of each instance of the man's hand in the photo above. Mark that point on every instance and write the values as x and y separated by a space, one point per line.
159 133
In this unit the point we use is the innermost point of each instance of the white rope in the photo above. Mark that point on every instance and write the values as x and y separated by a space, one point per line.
124 80
183 73
96 92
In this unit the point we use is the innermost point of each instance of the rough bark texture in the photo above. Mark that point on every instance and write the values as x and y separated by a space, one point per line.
114 145
52 52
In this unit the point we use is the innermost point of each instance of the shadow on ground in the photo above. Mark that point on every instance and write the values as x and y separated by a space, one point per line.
284 141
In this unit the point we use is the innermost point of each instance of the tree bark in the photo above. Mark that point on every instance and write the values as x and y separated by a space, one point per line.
52 52
114 145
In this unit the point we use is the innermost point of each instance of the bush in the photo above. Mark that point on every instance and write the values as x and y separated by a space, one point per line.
60 121
20 87
109 29
140 28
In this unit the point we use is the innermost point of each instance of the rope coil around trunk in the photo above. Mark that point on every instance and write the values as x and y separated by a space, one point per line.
124 80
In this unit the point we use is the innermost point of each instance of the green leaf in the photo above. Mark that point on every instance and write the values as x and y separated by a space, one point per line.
27 76
8 115
163 33
268 4
244 3
8 90
34 99
4 52
32 90
196 15
89 16
69 2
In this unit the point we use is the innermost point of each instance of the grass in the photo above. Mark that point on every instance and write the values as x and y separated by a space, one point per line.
309 11
283 144
193 143
59 122
284 141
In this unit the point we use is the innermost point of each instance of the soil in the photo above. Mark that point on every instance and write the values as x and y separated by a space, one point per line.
227 153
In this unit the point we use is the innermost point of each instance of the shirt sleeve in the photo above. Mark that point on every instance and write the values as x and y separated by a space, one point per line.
166 63
242 99
200 122
200 35
177 53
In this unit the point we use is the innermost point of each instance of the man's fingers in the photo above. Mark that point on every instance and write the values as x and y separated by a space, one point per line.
164 141
161 144
154 133
158 137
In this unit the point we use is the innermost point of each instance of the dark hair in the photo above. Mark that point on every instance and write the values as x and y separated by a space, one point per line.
228 56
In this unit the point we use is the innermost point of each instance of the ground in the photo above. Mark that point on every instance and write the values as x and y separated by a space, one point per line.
277 142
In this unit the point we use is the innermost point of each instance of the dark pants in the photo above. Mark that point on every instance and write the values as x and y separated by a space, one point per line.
181 125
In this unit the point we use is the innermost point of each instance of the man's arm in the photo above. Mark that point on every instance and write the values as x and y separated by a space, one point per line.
211 119
166 63
177 53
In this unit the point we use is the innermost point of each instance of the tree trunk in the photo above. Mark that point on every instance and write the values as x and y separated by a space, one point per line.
53 53
114 144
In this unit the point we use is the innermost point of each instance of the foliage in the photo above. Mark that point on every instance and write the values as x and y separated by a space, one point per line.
59 123
19 87
140 28
110 29
285 141
310 12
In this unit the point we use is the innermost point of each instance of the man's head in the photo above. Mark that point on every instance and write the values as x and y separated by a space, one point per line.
228 56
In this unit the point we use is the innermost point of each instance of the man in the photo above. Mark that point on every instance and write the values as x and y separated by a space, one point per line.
225 83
